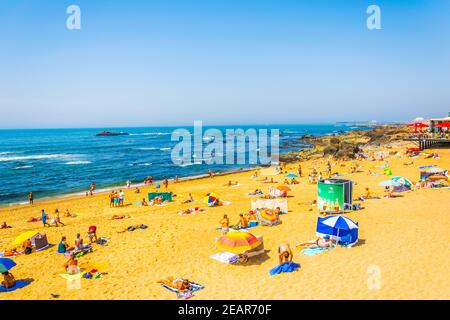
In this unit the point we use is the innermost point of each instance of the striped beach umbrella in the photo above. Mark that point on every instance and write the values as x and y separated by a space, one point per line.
211 200
23 237
6 264
268 217
238 241
402 180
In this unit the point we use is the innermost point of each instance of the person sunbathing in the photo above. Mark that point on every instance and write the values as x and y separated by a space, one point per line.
286 181
293 181
63 246
8 280
243 222
11 252
71 265
79 242
324 242
27 246
119 217
137 190
34 219
144 202
4 226
67 213
191 199
285 253
367 194
183 285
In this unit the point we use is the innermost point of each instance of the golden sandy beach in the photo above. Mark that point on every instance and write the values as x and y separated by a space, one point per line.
407 238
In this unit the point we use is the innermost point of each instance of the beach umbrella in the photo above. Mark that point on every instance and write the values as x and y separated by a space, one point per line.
291 175
435 170
6 264
268 217
389 183
414 149
238 241
417 125
284 188
211 200
24 236
402 180
339 223
443 125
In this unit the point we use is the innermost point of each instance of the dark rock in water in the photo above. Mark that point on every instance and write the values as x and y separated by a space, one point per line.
111 134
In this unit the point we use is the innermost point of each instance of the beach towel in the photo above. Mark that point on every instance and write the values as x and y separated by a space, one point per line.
315 250
184 295
19 285
225 257
284 267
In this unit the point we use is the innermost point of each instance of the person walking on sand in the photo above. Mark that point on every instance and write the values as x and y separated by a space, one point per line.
30 198
166 183
299 170
44 217
285 253
58 218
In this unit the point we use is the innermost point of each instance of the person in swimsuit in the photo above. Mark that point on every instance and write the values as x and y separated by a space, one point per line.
8 280
27 246
285 253
182 285
57 218
30 198
92 233
144 202
225 222
79 242
243 222
71 265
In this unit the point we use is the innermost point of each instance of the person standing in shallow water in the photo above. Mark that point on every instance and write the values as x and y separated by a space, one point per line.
30 198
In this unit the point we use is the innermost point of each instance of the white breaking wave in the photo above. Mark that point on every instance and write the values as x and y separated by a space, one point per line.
146 149
78 162
150 134
141 164
37 157
23 167
162 149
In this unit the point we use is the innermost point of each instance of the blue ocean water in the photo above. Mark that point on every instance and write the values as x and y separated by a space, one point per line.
52 162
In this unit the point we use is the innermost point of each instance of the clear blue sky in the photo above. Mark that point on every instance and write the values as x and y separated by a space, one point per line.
139 63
